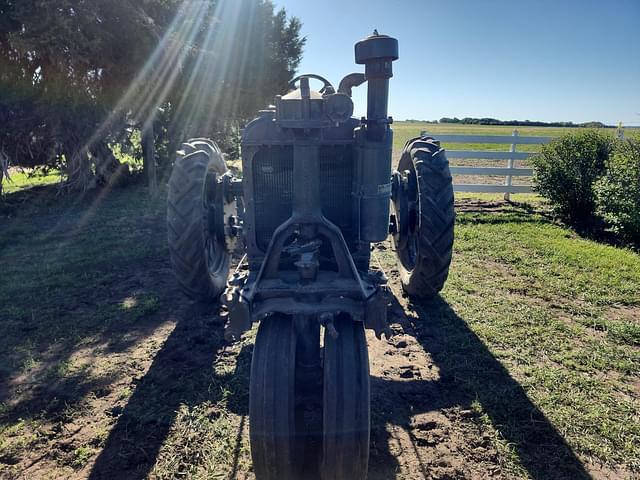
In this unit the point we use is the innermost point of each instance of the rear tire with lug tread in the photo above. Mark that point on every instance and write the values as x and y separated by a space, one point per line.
425 256
200 261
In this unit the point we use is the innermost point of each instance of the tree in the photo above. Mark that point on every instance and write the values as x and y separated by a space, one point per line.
245 55
75 76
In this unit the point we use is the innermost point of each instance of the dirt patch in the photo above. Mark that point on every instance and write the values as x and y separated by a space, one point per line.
411 437
630 314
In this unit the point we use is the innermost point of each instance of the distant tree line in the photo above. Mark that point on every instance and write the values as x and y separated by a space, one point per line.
80 80
520 123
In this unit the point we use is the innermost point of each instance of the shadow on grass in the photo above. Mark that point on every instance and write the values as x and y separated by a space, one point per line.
31 199
469 373
181 375
63 291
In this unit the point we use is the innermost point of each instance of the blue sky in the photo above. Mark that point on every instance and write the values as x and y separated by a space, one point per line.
567 60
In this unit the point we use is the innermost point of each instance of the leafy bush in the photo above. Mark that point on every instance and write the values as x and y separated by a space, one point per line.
618 191
566 170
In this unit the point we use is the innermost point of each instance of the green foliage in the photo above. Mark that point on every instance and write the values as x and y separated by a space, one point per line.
618 191
76 76
63 64
566 170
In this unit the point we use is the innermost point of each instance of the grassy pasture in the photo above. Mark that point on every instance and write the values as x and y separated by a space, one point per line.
404 131
107 371
533 353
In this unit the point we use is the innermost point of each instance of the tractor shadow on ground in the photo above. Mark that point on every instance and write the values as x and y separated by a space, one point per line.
468 373
181 375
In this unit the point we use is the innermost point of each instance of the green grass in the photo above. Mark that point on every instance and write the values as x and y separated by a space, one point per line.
562 315
87 300
406 130
524 198
543 301
87 308
24 179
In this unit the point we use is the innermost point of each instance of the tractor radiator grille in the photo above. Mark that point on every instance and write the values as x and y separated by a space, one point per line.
336 183
273 189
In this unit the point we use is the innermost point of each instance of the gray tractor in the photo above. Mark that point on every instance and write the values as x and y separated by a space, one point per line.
317 190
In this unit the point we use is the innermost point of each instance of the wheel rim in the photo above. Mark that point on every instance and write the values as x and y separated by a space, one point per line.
215 253
216 259
406 206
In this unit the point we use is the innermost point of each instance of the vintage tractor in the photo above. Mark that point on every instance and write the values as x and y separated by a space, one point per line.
317 189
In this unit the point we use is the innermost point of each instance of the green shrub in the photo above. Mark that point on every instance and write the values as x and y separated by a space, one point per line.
618 191
565 171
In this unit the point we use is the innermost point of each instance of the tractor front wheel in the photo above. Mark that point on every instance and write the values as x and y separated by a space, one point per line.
345 453
272 400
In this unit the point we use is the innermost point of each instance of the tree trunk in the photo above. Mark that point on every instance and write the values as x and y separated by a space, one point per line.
4 165
149 157
176 137
108 167
79 174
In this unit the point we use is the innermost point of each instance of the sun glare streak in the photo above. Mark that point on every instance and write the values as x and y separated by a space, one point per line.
223 44
132 92
198 65
243 60
152 84
166 79
122 106
210 76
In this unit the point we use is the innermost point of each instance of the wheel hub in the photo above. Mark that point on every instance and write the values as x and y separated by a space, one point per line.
405 206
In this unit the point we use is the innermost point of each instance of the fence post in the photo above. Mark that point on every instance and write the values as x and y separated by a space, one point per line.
509 180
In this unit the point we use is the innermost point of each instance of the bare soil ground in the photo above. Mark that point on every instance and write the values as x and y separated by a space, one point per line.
108 372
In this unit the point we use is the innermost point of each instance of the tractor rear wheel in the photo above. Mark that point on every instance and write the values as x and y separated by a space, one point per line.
423 207
272 400
346 408
200 260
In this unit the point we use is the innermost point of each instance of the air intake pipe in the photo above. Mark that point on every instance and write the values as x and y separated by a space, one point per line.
374 138
377 54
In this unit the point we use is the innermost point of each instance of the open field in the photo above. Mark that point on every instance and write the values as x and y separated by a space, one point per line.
403 131
528 366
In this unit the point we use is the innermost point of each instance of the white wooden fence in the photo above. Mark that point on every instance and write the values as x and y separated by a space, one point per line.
509 171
